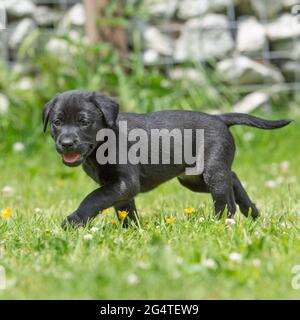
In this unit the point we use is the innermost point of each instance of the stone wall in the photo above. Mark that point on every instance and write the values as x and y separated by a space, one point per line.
248 43
23 16
244 42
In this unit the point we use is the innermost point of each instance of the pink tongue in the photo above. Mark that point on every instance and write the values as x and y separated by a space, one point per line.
71 157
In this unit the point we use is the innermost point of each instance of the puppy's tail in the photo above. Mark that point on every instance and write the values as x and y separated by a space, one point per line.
232 119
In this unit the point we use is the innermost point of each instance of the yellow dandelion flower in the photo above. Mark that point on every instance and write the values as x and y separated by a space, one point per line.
105 211
170 220
6 213
189 210
122 214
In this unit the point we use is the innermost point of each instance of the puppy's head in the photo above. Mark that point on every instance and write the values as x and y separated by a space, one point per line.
75 118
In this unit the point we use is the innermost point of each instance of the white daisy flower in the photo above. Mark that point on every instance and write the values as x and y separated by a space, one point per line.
256 262
284 166
248 136
18 146
271 184
7 190
208 263
230 222
235 257
133 279
88 237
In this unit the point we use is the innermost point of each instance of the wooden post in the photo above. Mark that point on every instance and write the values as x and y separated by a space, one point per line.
97 31
91 29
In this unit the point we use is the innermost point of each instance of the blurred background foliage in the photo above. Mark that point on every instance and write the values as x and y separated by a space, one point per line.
41 72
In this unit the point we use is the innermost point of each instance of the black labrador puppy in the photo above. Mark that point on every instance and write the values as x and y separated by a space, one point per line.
77 116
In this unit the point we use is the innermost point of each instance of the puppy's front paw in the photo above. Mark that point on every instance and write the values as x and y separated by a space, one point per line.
73 220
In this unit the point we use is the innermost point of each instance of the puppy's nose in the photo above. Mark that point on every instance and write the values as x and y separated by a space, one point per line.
67 143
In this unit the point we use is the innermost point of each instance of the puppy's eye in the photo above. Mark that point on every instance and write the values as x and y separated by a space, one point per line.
57 122
84 123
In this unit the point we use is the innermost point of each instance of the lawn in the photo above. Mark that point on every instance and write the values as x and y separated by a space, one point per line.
195 257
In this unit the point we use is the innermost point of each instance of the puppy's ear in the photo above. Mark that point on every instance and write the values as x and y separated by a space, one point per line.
108 107
46 112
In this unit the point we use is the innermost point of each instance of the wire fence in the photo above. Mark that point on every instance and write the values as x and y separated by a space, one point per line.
267 55
60 5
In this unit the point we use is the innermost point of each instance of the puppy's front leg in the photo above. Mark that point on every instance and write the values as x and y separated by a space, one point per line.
100 199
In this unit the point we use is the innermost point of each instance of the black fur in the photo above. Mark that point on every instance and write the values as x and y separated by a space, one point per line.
75 118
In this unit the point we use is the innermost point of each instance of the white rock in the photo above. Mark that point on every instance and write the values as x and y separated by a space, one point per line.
77 15
18 8
266 8
150 56
44 16
290 3
290 70
251 36
204 39
242 70
191 74
21 31
295 51
3 23
157 41
251 102
158 8
286 27
192 8
74 17
18 147
4 104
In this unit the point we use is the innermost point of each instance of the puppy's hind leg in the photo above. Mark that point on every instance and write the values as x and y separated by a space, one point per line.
130 208
219 183
242 198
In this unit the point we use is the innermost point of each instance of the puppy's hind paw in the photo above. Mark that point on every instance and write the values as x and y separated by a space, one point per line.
73 221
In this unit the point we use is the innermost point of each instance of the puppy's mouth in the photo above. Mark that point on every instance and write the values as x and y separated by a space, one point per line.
72 159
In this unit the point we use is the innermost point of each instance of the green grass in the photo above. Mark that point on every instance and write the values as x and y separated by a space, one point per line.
159 260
